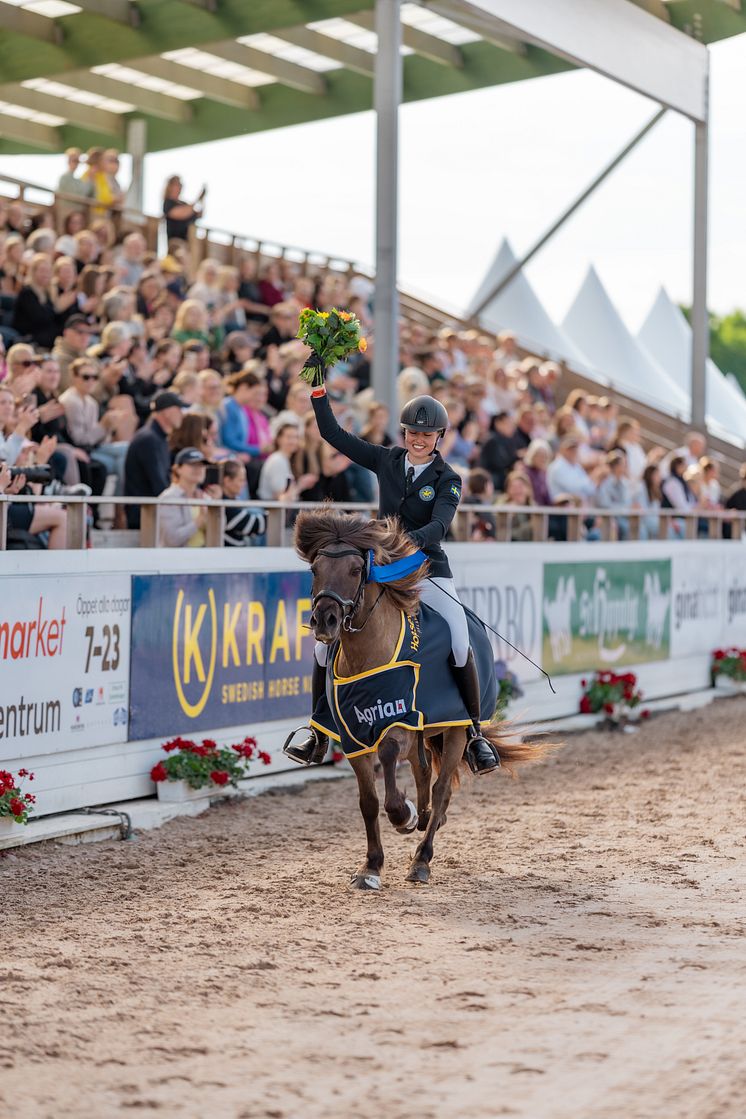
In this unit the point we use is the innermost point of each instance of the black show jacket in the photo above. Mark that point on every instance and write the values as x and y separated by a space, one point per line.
426 509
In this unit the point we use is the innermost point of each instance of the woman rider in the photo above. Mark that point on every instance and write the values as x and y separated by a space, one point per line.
420 488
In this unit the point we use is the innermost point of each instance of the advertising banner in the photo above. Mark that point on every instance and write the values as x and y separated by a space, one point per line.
228 649
601 615
64 663
697 603
507 596
734 589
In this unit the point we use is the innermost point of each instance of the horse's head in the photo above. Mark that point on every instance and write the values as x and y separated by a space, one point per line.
337 589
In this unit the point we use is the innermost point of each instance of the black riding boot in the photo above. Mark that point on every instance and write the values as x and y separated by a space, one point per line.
312 750
480 755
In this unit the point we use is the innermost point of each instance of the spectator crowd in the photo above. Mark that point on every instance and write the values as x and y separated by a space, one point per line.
127 372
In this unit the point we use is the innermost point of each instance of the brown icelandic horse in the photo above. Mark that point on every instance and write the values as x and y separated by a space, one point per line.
366 618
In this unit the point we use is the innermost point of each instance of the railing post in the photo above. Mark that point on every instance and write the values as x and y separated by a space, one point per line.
275 521
502 526
215 526
574 526
76 525
691 523
635 521
3 524
539 526
149 515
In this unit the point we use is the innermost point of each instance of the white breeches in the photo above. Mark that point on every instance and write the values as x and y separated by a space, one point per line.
453 612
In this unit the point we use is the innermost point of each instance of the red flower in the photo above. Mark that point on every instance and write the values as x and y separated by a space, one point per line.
338 756
209 744
585 705
264 757
17 807
249 740
584 683
159 772
23 773
719 654
30 798
645 713
609 708
219 776
6 781
628 693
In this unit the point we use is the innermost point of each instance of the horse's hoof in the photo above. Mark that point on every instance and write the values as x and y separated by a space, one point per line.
411 824
420 873
365 882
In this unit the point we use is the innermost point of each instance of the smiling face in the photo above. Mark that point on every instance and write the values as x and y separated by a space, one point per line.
420 445
343 575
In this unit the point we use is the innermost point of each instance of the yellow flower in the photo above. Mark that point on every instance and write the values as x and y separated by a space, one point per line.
323 314
362 345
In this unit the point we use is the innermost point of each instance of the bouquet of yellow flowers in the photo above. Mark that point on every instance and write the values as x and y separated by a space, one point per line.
332 335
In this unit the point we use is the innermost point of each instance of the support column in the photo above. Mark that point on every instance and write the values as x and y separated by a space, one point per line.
386 99
700 320
137 146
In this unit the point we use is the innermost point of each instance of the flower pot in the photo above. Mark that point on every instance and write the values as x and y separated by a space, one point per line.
8 827
729 685
178 792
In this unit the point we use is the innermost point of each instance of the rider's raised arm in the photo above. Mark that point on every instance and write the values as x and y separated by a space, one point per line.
359 450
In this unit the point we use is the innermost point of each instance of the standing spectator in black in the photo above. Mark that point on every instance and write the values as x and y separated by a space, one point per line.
179 214
499 453
524 429
147 467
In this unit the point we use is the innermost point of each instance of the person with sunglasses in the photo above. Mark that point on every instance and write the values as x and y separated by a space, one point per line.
94 435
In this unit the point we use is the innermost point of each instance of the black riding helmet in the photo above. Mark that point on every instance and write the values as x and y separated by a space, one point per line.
423 413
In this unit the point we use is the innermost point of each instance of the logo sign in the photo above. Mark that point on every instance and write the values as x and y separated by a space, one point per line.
380 711
427 493
230 649
598 615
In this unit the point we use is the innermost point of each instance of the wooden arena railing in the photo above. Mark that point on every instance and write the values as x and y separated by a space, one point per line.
571 522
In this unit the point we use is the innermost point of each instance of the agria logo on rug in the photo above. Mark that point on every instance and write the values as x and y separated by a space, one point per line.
380 711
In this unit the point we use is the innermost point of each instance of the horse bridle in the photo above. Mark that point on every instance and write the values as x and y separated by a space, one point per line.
349 606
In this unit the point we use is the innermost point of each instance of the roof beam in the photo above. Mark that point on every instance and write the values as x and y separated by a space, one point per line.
287 73
352 58
234 94
121 11
29 133
31 24
146 100
85 116
429 46
481 26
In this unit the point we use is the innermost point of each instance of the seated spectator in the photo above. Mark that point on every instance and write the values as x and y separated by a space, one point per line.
211 390
248 289
694 448
51 424
524 429
499 452
506 354
479 490
565 475
192 324
535 462
11 264
648 497
100 438
119 305
34 313
166 360
244 429
195 356
30 525
183 526
237 349
243 526
87 249
147 466
676 492
22 371
710 497
228 310
64 289
518 492
186 384
147 294
180 215
628 441
206 288
375 429
192 432
15 425
271 290
276 480
129 263
614 491
283 325
736 500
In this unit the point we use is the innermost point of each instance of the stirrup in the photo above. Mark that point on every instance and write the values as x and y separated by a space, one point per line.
311 751
480 755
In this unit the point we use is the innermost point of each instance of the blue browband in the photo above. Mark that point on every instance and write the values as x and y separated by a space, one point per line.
390 572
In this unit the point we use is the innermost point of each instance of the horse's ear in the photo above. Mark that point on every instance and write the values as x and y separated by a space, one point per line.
304 535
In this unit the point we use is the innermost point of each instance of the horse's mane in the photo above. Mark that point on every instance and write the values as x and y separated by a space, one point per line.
319 528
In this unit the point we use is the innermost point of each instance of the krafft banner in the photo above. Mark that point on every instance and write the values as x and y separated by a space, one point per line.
229 649
64 663
599 615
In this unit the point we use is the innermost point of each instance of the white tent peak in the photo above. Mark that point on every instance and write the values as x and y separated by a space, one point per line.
519 309
595 326
668 337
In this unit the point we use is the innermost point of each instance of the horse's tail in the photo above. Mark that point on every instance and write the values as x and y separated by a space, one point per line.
512 751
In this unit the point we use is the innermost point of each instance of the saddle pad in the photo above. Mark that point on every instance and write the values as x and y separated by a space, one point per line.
415 689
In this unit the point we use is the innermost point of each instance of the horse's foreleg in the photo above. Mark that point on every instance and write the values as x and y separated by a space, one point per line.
453 750
400 811
369 876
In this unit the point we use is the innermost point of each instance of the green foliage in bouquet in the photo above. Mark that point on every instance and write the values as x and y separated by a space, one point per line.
332 335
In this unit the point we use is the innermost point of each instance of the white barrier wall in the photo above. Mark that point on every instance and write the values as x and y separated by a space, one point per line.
116 651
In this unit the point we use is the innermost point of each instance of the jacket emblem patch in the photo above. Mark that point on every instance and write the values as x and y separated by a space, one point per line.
456 491
427 493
